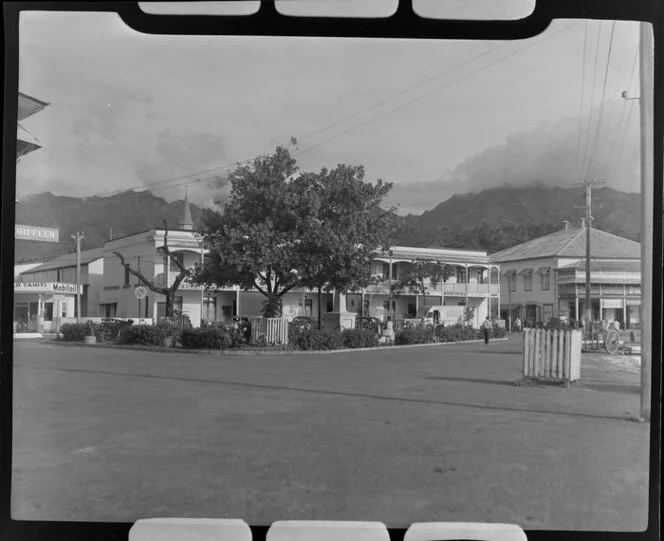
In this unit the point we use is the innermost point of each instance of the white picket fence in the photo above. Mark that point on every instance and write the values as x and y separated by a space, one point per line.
552 354
271 330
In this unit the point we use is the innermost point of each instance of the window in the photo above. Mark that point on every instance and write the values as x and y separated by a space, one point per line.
395 272
547 313
461 276
109 310
512 283
386 271
528 282
48 311
545 280
210 308
174 265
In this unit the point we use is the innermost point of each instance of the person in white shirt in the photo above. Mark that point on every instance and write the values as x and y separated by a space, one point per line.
486 326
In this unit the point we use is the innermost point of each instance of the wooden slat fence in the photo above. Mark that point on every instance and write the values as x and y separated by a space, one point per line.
270 330
552 354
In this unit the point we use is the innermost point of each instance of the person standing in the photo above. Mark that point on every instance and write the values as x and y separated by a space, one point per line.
486 326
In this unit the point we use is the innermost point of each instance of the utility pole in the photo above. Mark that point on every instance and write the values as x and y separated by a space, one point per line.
647 199
588 185
78 237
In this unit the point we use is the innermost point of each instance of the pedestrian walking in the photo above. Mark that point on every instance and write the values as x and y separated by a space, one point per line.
487 329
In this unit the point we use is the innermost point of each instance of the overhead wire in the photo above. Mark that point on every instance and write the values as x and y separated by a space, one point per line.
592 97
601 106
186 178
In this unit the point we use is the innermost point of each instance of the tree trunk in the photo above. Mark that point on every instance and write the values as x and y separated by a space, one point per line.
169 304
320 309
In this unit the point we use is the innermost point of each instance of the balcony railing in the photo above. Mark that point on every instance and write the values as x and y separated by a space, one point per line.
452 289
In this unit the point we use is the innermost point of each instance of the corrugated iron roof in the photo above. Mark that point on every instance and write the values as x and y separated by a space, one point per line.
606 266
68 260
571 243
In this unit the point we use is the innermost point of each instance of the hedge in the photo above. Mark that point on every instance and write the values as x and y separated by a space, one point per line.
146 335
314 339
215 337
74 332
359 338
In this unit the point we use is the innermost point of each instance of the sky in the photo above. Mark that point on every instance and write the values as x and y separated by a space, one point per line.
134 111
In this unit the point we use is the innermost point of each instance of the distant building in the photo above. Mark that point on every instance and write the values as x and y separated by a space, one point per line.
108 290
545 277
46 293
474 282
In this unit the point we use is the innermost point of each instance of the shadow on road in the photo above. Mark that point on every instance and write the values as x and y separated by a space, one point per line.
328 392
473 380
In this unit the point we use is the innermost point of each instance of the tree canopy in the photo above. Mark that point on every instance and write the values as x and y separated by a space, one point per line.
420 272
282 229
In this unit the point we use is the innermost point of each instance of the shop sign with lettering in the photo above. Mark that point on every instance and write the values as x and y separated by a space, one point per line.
43 234
44 287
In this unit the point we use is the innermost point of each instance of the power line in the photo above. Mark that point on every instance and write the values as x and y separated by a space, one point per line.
583 78
406 104
601 106
373 119
592 96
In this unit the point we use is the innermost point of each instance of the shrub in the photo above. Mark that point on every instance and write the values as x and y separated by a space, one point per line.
215 336
74 332
414 335
313 339
206 338
498 331
147 335
359 338
109 329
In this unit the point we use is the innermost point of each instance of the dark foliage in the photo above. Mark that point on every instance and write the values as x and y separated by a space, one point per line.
414 335
215 337
359 338
313 339
146 335
74 332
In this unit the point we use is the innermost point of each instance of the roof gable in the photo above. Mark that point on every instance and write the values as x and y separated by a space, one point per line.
571 243
68 260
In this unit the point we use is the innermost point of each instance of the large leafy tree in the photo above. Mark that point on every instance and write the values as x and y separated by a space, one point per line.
419 273
281 229
345 225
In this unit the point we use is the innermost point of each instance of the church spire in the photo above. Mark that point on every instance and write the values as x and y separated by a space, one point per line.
186 223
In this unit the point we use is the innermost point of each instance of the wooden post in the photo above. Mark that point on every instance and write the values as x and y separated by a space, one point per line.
647 199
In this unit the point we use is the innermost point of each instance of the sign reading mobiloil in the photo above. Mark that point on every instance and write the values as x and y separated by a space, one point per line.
44 287
29 232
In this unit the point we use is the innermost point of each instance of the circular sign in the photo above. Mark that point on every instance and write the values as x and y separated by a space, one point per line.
140 292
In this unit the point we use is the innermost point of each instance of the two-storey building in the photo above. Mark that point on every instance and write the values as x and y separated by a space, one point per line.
473 282
546 277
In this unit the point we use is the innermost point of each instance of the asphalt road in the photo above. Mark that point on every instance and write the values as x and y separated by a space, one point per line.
399 436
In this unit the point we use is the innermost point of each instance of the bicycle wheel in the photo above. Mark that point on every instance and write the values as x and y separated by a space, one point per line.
612 341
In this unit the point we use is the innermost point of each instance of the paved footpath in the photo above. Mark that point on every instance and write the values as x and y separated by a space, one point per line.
400 435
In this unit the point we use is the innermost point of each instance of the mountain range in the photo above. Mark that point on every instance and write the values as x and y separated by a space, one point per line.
489 220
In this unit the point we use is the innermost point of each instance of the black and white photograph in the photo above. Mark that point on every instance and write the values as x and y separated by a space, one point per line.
344 279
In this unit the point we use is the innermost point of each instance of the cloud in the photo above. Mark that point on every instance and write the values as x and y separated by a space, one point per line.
550 154
100 118
178 158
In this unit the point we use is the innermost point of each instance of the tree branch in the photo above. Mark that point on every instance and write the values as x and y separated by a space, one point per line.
143 279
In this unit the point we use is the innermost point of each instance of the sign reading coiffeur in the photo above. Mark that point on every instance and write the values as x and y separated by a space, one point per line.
43 234
44 287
